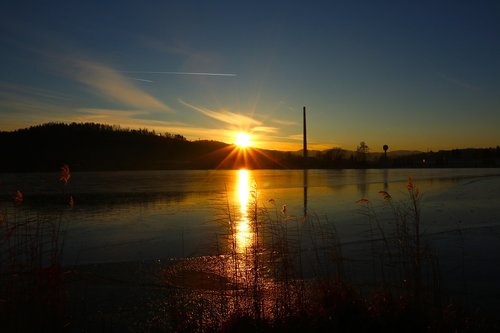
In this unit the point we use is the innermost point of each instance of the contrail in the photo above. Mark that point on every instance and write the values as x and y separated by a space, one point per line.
142 80
182 73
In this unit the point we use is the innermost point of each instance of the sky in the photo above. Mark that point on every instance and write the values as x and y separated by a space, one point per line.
415 75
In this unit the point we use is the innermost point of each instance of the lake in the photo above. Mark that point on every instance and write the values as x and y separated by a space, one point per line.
159 215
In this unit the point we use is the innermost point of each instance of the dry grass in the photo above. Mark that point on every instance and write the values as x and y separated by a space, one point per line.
291 276
31 276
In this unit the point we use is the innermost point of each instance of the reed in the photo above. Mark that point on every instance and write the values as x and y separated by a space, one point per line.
289 271
292 275
401 254
31 273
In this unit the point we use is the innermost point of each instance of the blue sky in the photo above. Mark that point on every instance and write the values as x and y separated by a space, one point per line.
411 74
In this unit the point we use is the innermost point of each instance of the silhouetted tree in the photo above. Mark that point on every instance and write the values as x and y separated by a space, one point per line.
362 150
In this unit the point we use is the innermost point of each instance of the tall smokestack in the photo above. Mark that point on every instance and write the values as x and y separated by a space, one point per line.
305 139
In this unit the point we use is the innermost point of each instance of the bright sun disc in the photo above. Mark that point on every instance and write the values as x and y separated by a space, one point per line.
243 139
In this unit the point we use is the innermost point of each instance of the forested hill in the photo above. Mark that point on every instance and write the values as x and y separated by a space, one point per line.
91 146
97 147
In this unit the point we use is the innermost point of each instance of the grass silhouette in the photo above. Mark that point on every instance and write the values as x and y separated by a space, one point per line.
32 293
292 276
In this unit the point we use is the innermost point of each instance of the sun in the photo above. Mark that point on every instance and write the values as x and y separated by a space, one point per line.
243 140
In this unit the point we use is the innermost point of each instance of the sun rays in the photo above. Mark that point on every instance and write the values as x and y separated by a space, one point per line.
237 157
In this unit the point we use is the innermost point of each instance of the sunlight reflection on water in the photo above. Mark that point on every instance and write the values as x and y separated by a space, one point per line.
244 233
145 215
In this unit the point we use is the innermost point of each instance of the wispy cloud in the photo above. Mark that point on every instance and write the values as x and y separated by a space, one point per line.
284 122
112 85
294 142
181 73
23 105
224 116
295 137
192 60
141 80
97 114
67 59
126 118
457 82
135 119
33 91
264 129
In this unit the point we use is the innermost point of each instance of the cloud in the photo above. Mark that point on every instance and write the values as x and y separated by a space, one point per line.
284 122
293 143
112 85
264 129
65 58
295 137
141 80
192 61
182 73
224 116
459 83
96 114
132 119
34 92
22 106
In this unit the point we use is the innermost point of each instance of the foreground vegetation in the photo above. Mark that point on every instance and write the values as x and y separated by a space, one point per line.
291 275
32 292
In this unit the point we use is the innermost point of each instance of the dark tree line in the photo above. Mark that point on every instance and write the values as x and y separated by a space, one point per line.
90 146
96 147
456 158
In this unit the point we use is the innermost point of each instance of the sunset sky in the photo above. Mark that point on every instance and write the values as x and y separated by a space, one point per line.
421 75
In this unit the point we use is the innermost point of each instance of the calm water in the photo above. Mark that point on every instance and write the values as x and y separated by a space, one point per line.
151 216
123 216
